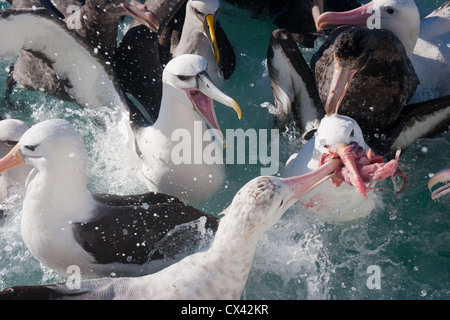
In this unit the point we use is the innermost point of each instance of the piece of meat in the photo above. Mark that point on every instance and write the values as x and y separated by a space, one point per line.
362 170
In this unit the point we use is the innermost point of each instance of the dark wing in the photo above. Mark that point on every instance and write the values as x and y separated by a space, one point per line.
293 85
420 120
143 231
135 199
139 58
93 289
227 55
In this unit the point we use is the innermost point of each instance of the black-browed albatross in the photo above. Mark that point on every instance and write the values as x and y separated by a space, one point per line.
186 27
180 155
93 83
221 271
63 224
95 20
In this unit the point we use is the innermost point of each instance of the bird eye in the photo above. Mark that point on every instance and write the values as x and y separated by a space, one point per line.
352 133
282 201
10 143
197 12
182 78
390 10
32 148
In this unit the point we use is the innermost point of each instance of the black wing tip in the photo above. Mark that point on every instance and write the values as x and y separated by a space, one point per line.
28 293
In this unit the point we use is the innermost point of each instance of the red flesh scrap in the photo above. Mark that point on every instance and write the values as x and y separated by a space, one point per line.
370 168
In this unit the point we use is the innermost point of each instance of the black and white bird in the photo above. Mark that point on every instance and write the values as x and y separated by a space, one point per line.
182 152
186 27
63 224
96 21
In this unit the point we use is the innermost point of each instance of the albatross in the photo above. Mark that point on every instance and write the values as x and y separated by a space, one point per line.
221 271
186 27
64 225
180 155
91 81
94 20
351 194
425 41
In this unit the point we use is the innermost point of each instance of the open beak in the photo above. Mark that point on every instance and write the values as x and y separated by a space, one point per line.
301 185
349 160
441 176
210 33
202 99
11 160
139 11
340 82
355 17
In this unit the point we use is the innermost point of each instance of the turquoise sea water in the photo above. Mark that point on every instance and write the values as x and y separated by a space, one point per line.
299 258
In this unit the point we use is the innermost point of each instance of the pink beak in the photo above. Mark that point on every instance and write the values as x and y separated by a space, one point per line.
301 185
355 17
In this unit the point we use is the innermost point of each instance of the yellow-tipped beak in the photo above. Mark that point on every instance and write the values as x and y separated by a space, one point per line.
211 35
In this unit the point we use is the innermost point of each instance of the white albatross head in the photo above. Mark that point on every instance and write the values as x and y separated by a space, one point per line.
193 87
11 130
335 130
203 14
48 145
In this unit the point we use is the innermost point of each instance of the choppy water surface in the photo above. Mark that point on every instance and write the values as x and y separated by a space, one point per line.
299 258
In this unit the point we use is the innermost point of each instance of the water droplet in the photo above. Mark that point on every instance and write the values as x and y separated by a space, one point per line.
424 149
